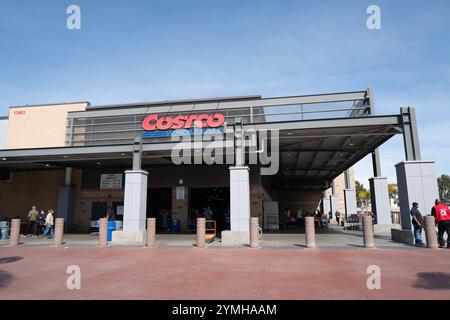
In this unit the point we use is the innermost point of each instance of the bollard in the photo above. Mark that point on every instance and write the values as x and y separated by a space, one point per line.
254 232
310 232
200 232
368 232
151 233
59 232
430 232
103 233
15 232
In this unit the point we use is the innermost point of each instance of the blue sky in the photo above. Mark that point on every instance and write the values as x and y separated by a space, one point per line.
132 51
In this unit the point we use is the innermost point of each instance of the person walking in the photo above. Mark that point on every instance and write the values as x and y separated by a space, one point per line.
442 215
49 222
319 218
338 216
33 217
417 221
42 216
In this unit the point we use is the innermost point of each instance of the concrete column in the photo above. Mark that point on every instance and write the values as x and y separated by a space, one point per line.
15 232
151 232
103 233
430 232
350 202
310 233
68 176
135 206
201 232
326 205
59 232
417 182
239 207
254 232
368 231
381 206
334 205
347 180
66 203
349 196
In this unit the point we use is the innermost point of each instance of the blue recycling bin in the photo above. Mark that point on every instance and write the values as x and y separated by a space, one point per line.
175 225
111 228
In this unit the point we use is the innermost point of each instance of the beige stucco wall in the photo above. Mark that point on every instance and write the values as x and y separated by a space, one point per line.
308 201
39 126
84 202
339 184
39 188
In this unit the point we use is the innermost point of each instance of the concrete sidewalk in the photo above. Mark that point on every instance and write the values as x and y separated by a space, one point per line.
233 273
332 237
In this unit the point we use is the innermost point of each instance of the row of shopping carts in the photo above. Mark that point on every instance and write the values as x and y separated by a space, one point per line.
353 222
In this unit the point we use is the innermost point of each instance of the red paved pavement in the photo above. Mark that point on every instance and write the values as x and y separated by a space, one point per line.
231 273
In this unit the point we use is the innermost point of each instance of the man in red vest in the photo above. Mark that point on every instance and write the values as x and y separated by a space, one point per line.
442 215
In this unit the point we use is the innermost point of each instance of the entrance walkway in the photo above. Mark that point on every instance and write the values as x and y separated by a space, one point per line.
332 237
179 273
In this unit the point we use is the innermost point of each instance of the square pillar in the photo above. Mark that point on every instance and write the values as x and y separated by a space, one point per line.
381 206
326 205
334 205
417 182
66 205
135 208
239 207
350 202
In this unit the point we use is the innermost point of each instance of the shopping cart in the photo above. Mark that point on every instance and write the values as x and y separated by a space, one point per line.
210 230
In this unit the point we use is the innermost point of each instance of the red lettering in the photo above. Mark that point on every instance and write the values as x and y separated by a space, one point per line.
199 120
152 122
164 123
216 120
189 121
146 125
178 122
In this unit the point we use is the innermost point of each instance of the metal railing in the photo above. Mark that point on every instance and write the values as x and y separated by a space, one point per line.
103 129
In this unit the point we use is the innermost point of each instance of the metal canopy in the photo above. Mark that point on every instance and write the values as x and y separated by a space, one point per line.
312 152
321 135
311 158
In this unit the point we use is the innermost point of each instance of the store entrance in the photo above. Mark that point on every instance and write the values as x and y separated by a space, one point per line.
159 206
217 199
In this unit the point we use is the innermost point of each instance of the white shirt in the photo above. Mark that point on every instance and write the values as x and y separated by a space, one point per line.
49 219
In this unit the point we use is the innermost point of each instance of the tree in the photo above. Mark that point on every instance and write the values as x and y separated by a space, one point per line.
362 195
393 192
444 186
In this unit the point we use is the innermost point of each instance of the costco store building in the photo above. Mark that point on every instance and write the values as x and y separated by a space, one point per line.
80 159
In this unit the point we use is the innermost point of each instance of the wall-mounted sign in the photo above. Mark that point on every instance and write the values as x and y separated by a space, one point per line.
180 193
179 132
154 122
111 181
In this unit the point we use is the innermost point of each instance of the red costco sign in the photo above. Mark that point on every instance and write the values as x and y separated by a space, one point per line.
154 122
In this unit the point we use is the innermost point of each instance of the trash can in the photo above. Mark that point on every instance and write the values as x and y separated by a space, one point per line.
175 225
111 228
4 230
